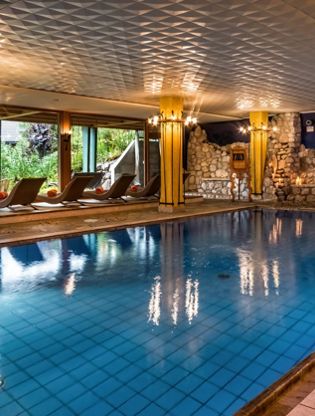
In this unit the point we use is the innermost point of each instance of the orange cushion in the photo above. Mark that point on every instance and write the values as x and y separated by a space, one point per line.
134 188
3 194
52 192
99 190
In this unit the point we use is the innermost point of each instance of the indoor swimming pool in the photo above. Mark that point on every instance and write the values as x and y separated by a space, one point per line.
183 318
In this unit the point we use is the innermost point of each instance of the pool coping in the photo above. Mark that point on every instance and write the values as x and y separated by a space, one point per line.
261 402
115 209
179 215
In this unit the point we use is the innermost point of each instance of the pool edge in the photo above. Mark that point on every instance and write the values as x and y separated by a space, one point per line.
261 402
181 215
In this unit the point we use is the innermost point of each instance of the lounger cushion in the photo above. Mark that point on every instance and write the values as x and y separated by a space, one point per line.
52 192
99 190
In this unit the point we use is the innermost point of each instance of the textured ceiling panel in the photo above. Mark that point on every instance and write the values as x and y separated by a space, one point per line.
227 57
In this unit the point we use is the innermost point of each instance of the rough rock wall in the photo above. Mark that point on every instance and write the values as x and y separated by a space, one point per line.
206 160
214 188
209 167
287 160
307 165
290 171
283 162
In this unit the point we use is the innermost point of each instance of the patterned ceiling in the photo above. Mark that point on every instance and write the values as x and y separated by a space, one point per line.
227 57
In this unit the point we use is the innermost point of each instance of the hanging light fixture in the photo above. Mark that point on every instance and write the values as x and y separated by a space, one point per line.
188 121
245 129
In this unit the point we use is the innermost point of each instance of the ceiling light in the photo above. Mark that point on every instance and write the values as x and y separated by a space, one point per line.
188 121
245 129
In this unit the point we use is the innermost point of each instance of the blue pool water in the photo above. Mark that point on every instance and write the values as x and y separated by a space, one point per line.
183 318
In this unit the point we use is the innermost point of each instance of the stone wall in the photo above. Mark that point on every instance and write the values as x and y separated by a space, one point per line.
302 194
307 165
215 188
288 162
282 165
209 167
205 160
290 170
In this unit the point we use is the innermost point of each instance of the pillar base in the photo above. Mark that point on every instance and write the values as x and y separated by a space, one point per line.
169 209
256 197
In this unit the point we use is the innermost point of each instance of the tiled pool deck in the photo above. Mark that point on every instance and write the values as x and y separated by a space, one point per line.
63 221
104 218
299 400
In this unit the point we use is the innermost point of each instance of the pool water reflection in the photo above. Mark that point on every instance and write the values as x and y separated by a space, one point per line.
183 318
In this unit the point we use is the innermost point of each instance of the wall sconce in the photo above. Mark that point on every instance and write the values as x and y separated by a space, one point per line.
65 137
66 132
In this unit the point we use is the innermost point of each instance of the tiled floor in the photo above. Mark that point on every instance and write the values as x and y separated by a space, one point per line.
293 396
57 223
306 407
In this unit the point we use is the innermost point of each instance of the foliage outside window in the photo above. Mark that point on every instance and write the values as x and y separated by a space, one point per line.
76 149
33 154
111 143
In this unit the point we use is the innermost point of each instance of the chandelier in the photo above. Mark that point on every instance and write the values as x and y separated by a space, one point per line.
188 121
254 128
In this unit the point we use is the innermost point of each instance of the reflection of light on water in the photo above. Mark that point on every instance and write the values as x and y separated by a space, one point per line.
13 273
276 275
77 262
250 269
70 284
276 232
143 243
155 302
107 253
298 227
192 299
175 307
139 240
246 274
265 277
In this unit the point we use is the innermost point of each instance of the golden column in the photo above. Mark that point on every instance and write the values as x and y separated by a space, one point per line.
171 150
258 149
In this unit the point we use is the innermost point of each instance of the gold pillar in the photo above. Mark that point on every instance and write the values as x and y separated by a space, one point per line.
64 161
258 149
171 149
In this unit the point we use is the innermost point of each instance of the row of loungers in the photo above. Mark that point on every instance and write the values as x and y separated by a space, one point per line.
26 192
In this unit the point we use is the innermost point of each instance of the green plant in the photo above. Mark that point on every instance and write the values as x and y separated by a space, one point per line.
76 149
26 159
41 137
19 161
112 142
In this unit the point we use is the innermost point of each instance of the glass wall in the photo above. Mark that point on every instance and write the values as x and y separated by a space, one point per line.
115 153
104 150
76 149
154 156
28 150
